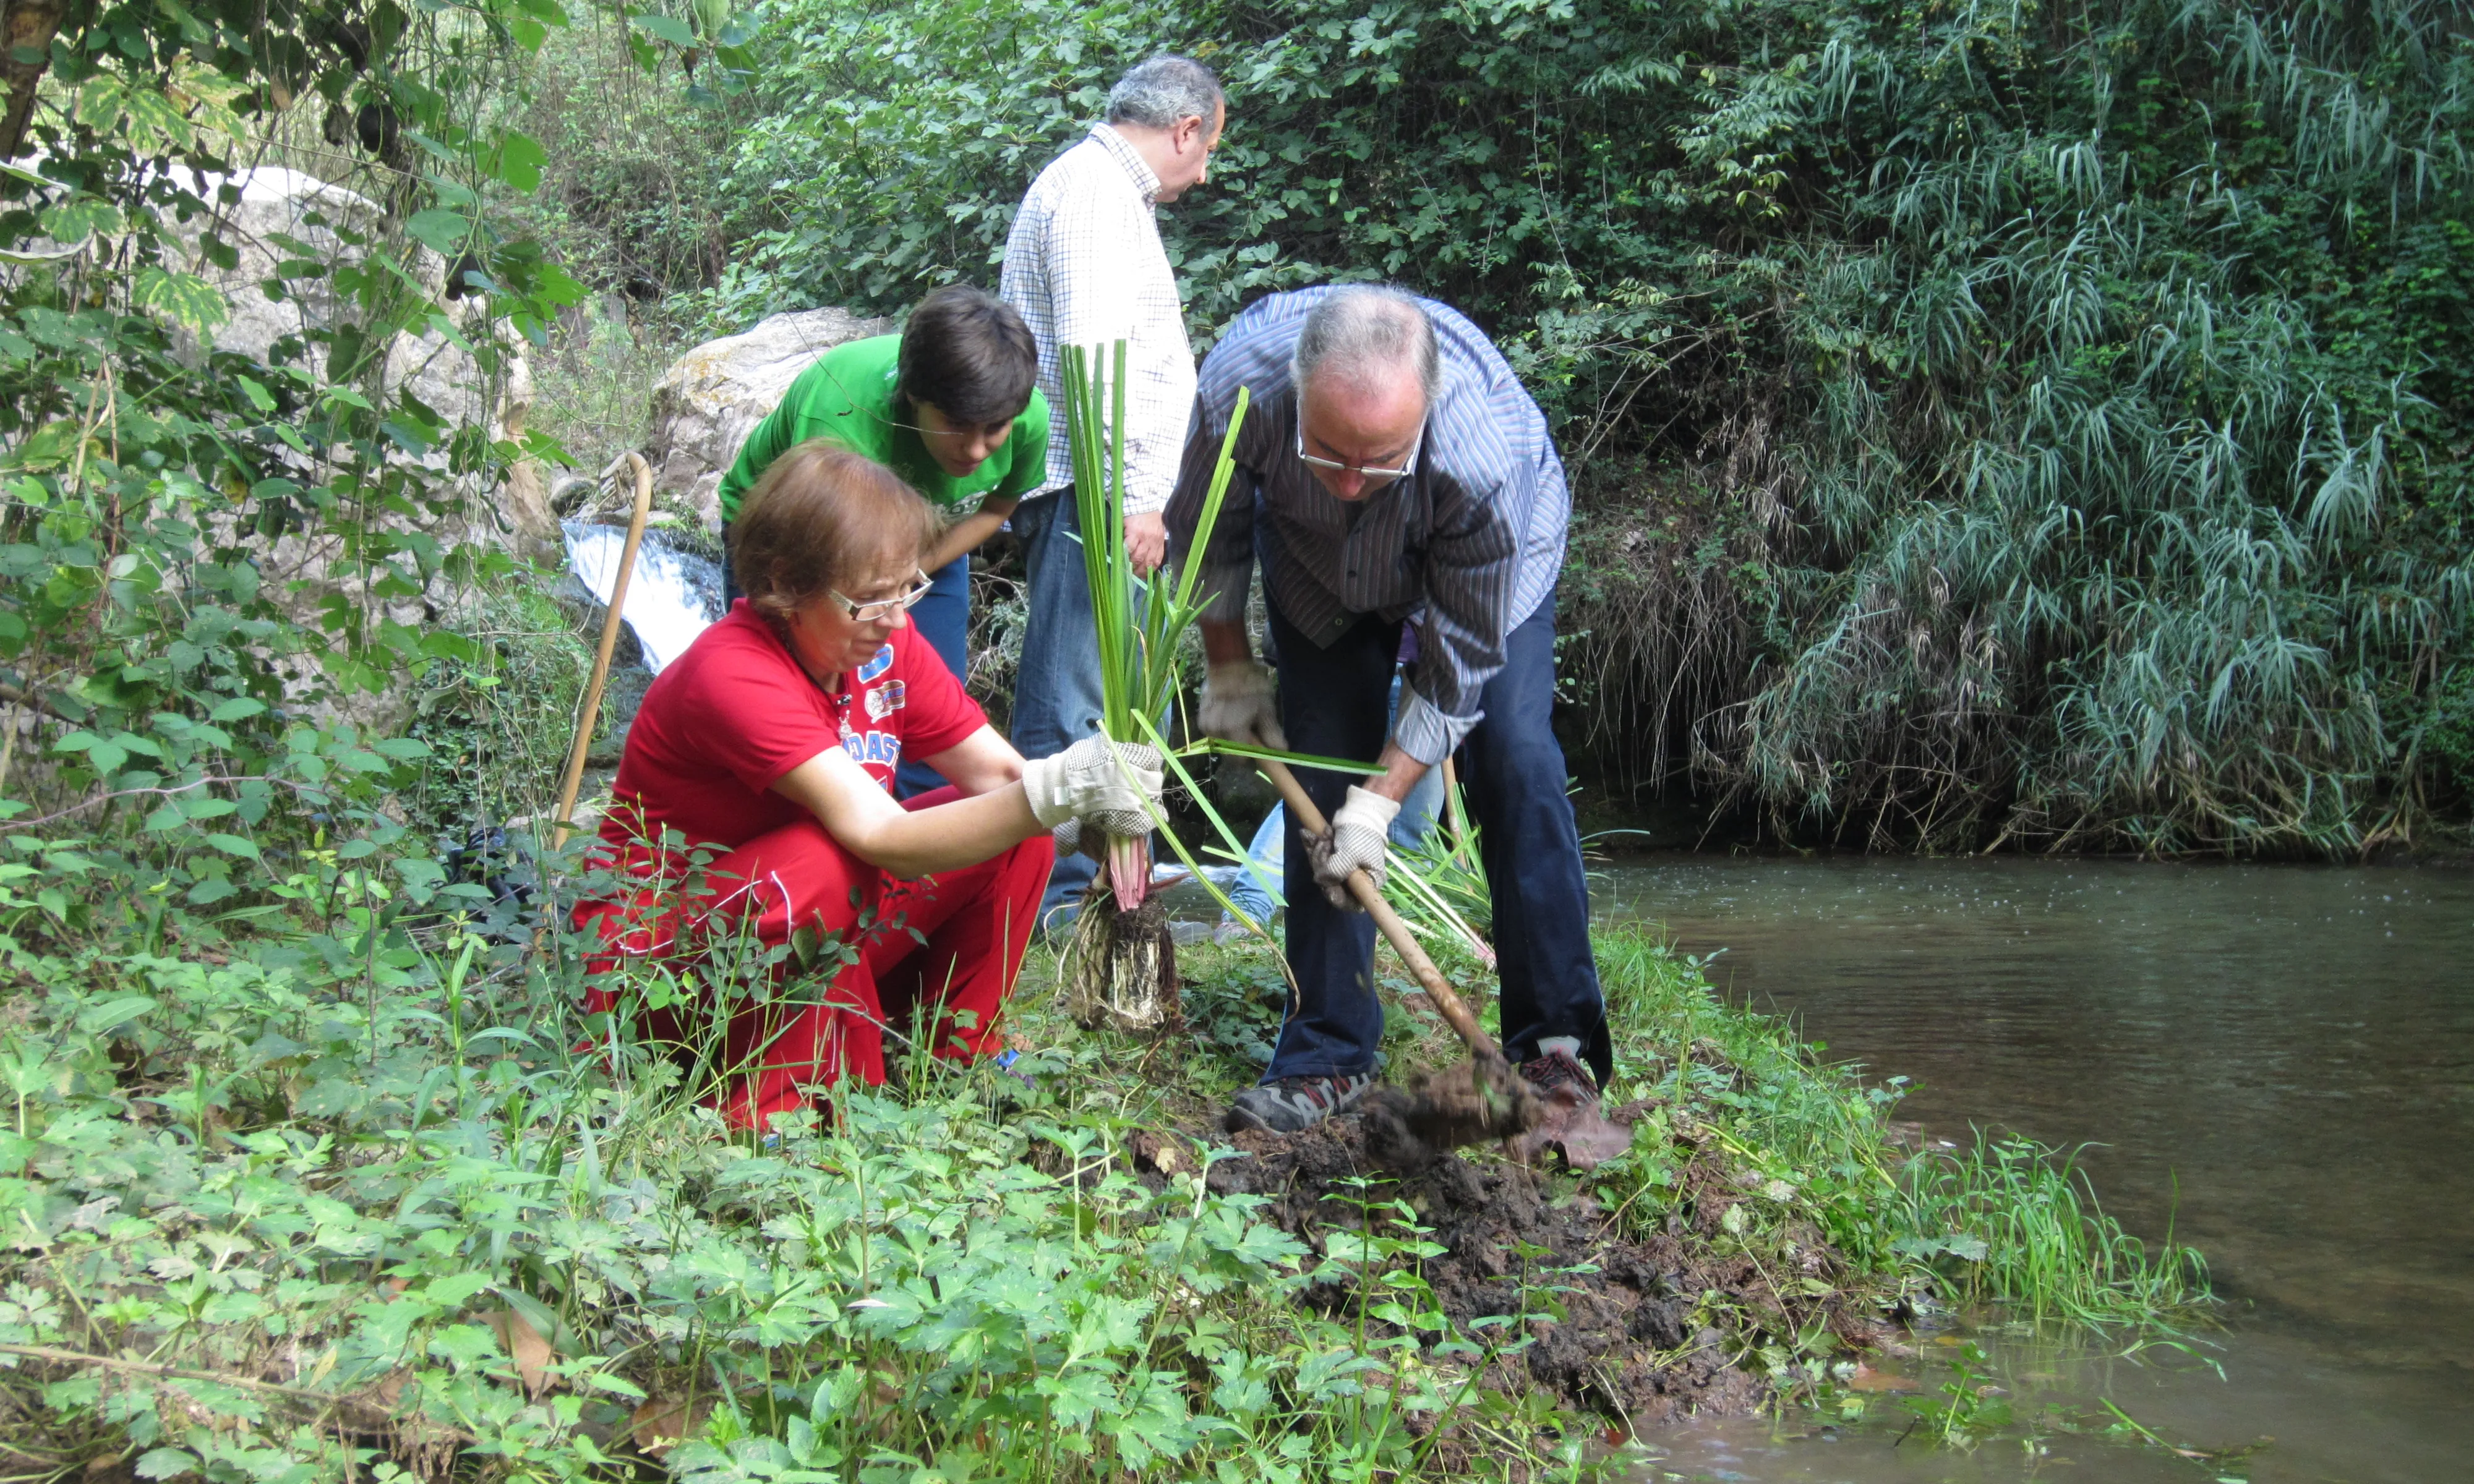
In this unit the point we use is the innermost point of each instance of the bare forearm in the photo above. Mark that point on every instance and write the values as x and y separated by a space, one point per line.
1401 774
964 535
1225 643
911 844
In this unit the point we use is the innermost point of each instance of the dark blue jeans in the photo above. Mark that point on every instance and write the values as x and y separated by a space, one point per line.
1056 694
1332 703
943 619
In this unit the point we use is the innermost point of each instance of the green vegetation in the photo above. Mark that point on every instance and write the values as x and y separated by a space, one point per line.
1995 423
312 1164
308 1200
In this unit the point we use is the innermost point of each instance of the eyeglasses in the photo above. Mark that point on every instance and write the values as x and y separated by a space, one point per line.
884 608
1372 472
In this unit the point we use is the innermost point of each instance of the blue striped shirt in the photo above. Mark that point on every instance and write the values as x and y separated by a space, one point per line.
1474 536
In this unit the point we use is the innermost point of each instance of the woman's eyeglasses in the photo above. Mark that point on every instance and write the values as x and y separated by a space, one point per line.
882 609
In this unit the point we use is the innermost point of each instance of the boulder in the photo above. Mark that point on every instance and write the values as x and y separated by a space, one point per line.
276 203
712 398
306 570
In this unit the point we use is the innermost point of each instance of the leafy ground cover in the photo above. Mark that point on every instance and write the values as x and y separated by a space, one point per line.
306 1205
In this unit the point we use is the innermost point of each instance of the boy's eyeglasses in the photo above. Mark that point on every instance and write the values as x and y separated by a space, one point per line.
1371 472
884 608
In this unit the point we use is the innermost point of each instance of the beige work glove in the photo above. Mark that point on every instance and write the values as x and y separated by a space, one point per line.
1354 843
1088 786
1238 704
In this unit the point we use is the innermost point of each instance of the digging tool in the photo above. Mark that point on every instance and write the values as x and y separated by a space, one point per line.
610 621
1488 1099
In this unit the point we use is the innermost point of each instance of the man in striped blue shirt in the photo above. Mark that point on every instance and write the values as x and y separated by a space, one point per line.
1391 470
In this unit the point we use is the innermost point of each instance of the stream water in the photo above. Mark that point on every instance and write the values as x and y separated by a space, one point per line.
2278 1060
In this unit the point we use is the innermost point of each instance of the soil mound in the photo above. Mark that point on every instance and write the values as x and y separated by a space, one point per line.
1653 1326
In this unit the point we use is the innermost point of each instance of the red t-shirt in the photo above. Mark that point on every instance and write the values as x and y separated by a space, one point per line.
724 722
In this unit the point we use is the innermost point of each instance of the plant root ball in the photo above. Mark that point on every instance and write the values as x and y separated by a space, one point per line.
1121 968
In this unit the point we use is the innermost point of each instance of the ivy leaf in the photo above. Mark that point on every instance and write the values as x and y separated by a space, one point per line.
440 229
184 299
667 28
517 161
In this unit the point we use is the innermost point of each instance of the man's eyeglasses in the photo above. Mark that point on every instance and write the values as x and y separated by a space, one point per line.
1371 471
882 607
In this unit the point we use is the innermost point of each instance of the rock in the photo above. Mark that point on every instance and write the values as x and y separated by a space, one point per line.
306 571
712 398
279 203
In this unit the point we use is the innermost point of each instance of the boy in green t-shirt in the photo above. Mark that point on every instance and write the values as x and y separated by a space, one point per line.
952 406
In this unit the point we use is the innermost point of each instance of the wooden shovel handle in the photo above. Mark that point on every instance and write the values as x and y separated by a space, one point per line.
610 621
1394 931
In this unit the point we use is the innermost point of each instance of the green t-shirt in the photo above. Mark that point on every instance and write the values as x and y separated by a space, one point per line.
847 397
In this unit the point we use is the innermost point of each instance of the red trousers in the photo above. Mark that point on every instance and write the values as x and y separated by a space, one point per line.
951 942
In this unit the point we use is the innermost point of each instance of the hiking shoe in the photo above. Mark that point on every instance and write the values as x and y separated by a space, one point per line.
1294 1103
1560 1078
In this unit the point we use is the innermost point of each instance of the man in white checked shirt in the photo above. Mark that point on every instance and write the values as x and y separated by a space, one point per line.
1086 267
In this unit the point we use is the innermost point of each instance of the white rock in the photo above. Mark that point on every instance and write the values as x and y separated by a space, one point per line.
712 398
277 202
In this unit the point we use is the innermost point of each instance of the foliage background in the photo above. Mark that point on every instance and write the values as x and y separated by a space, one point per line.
1995 420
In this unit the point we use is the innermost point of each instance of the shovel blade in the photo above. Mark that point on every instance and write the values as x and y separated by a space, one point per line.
1571 1123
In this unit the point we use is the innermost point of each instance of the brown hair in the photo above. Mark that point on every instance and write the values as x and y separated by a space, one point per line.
967 353
823 516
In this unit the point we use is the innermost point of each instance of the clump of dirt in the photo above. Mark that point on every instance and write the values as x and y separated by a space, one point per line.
1653 1328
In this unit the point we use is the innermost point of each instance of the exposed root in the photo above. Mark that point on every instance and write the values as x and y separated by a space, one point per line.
1121 967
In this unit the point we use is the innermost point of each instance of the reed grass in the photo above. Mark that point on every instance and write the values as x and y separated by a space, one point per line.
1138 621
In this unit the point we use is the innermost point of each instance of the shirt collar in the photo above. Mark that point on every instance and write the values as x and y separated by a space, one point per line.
1122 150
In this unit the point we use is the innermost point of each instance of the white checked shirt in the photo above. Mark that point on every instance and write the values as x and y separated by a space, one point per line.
1086 267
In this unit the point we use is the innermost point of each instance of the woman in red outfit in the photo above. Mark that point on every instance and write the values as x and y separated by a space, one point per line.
754 802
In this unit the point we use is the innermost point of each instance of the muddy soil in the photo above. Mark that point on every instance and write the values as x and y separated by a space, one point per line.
1653 1326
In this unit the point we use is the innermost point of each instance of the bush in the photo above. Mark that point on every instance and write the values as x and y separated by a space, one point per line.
2062 410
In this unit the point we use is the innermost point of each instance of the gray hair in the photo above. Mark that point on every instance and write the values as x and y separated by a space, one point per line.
1156 93
1360 332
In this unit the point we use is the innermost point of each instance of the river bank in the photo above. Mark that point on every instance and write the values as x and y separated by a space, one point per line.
273 1203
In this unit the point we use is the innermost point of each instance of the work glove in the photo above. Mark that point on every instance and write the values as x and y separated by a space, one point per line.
1237 705
1355 842
1071 839
1084 783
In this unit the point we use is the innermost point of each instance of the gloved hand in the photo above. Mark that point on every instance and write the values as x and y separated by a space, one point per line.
1355 842
1071 839
1237 705
1085 783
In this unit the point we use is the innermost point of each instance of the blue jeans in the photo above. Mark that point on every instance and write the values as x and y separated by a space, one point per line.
943 619
1057 695
1257 887
1329 704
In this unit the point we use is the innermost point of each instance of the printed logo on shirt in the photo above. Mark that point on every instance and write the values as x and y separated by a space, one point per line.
885 700
868 748
877 666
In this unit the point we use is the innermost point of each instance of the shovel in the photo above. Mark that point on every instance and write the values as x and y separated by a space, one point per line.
1485 1099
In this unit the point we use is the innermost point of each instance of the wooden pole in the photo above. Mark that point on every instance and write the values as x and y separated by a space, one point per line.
1394 931
610 621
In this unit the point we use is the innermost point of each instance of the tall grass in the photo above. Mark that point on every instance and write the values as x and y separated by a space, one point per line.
2026 1231
1137 621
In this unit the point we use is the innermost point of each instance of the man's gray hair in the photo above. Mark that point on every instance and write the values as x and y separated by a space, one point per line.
1156 93
1365 334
